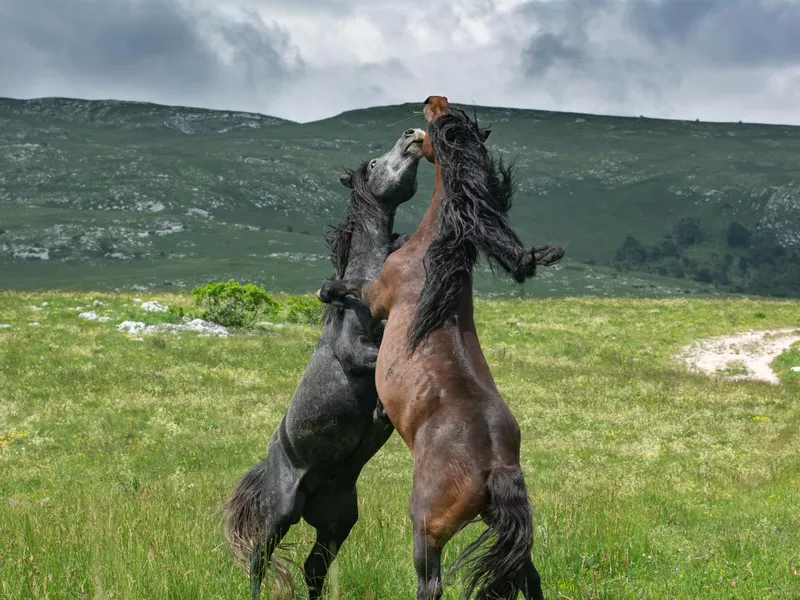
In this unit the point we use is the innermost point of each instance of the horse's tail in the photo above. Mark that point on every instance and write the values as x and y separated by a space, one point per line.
243 522
245 525
498 571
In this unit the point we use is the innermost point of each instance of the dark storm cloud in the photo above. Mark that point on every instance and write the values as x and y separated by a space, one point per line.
547 49
164 50
721 33
725 32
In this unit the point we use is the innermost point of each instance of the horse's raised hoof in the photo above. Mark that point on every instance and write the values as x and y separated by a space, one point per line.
548 255
323 294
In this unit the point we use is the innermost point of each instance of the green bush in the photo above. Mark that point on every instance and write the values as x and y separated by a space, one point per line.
304 309
687 232
232 304
739 236
174 314
631 251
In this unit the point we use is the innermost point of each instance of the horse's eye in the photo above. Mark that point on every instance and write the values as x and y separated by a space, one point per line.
372 164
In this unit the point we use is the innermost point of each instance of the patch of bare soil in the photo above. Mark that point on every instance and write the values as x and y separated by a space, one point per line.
745 355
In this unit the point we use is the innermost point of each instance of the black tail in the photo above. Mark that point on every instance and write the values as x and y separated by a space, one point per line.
498 571
245 524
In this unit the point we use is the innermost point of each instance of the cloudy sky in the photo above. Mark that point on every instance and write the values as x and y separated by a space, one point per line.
723 60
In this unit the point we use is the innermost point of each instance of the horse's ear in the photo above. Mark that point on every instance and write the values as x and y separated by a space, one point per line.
347 180
484 134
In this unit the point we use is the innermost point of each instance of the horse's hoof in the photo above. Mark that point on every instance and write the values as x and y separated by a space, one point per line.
548 255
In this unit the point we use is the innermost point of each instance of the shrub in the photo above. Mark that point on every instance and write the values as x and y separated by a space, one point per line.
304 309
686 232
703 275
106 244
739 236
631 251
674 269
232 304
174 314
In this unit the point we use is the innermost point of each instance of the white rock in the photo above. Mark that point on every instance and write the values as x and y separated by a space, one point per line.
34 324
97 303
795 369
4 326
45 304
154 306
131 327
207 327
93 316
204 328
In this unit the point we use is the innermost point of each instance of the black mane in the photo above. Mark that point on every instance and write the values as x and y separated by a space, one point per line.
361 208
472 218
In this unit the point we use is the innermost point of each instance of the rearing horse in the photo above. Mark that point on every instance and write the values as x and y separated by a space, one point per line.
432 377
331 427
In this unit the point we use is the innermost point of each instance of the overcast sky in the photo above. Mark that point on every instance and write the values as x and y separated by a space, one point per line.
722 60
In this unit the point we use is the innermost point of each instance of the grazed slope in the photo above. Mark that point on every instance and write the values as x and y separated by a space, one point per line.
114 193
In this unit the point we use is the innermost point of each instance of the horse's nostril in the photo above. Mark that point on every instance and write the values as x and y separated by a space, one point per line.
409 132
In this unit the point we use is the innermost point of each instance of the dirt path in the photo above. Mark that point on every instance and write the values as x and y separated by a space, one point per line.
744 355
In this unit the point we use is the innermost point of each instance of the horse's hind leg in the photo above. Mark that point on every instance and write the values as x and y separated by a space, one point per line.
260 558
428 565
283 506
333 516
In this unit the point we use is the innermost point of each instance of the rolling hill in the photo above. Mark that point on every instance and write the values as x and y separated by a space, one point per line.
109 194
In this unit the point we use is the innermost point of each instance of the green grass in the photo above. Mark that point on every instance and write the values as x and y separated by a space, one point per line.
647 481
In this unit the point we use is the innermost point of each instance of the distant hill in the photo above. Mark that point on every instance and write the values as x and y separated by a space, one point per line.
105 194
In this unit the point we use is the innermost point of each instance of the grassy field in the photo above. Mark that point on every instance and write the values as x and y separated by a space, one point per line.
647 481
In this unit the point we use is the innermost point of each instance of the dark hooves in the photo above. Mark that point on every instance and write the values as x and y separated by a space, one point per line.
324 294
548 255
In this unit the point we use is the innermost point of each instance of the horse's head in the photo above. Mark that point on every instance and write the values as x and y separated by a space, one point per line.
434 108
390 179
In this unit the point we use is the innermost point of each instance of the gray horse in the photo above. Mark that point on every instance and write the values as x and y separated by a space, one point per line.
334 423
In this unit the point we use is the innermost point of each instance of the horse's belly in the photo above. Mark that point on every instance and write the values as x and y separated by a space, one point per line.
327 420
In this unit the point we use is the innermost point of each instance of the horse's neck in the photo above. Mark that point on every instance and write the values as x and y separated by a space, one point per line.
427 232
429 226
369 246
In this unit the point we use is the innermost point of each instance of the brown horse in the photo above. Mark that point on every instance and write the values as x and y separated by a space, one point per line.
432 377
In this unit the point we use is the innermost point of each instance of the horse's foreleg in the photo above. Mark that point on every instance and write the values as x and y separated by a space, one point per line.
357 355
369 292
339 289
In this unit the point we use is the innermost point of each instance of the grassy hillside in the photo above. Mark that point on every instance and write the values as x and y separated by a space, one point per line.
110 194
647 481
